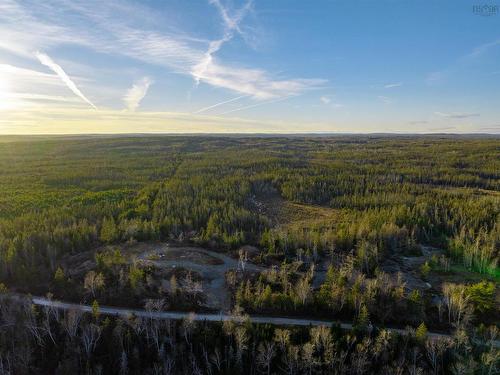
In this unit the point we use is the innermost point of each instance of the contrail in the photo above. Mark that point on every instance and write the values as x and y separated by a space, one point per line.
47 61
230 24
221 103
257 104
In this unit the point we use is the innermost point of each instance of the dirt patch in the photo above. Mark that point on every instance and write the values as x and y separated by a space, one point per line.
281 212
268 204
409 267
211 267
190 255
76 265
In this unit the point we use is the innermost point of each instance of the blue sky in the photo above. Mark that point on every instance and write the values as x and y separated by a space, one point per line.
249 66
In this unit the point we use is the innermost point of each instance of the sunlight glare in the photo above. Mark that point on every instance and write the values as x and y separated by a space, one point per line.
4 91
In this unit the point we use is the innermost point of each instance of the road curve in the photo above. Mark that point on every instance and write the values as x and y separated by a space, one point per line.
179 315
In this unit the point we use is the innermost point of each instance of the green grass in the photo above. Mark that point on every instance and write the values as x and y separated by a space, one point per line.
473 275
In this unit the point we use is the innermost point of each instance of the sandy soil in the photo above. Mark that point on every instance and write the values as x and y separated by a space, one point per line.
410 267
210 265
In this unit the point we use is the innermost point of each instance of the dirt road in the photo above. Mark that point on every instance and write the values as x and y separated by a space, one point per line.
178 315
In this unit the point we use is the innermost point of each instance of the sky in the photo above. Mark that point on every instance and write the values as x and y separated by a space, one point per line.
243 66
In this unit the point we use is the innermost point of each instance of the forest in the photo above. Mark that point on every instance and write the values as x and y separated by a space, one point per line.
379 231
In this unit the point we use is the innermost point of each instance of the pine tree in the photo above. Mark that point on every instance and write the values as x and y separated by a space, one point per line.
59 276
95 310
363 318
109 231
421 333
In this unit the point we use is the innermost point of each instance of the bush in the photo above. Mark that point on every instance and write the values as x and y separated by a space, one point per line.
425 269
482 296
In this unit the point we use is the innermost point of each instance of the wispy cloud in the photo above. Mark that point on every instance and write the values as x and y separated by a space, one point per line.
384 99
136 93
22 32
434 77
446 128
123 29
325 100
66 120
456 115
23 77
47 61
392 85
492 129
232 22
202 69
257 105
441 129
253 82
482 49
461 62
221 103
328 101
42 97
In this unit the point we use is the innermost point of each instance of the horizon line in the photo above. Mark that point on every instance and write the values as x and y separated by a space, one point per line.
241 134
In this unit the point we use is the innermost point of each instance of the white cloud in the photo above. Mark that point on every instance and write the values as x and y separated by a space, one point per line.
27 88
23 32
328 101
42 97
325 100
232 23
456 115
47 61
206 69
136 93
186 56
392 85
255 82
23 77
123 29
385 99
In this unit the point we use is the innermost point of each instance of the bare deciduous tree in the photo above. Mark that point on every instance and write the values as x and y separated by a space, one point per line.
241 339
282 337
291 360
217 360
457 301
243 259
434 350
90 336
71 322
188 326
307 354
123 363
93 282
265 356
303 290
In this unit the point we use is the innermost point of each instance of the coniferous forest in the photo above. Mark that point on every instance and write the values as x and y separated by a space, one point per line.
396 236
